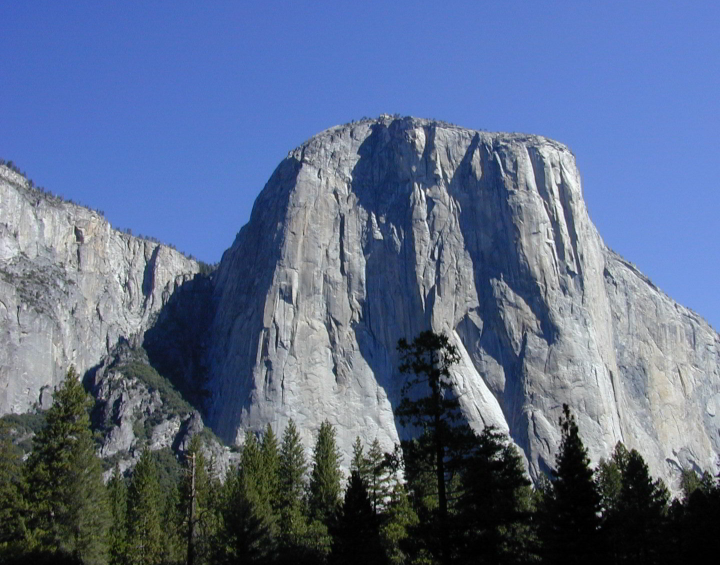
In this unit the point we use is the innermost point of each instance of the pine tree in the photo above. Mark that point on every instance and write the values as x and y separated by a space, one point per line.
117 496
292 467
428 404
400 520
301 541
381 476
173 519
357 535
244 535
374 470
260 482
640 513
326 477
198 488
359 462
691 480
493 521
12 500
67 497
270 455
145 535
424 540
610 478
697 521
571 512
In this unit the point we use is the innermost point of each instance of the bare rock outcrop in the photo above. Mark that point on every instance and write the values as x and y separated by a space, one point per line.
137 408
377 230
70 287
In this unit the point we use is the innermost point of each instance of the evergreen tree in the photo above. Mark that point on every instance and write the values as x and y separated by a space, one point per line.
429 405
609 477
359 462
691 480
357 535
259 482
301 541
374 470
400 520
169 475
493 523
609 480
420 472
292 467
326 477
12 501
380 476
697 522
270 455
145 535
571 512
117 496
639 516
173 519
244 535
67 497
199 504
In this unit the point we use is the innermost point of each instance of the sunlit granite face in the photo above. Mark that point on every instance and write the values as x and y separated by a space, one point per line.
70 286
368 233
379 229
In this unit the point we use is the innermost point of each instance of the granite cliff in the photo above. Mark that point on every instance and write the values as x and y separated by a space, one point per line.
365 234
376 230
70 288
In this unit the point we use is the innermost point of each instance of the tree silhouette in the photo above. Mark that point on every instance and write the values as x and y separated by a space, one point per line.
493 523
640 515
428 404
571 511
356 534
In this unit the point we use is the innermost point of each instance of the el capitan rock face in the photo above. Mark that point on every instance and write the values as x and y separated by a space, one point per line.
377 230
368 233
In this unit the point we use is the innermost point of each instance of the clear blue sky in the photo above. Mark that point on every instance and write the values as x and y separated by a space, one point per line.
171 116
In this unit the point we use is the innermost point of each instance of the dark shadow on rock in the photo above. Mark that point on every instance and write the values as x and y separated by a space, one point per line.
148 274
177 342
383 181
246 273
492 243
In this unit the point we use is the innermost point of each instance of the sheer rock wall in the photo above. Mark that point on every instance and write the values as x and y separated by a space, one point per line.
368 233
70 287
377 230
